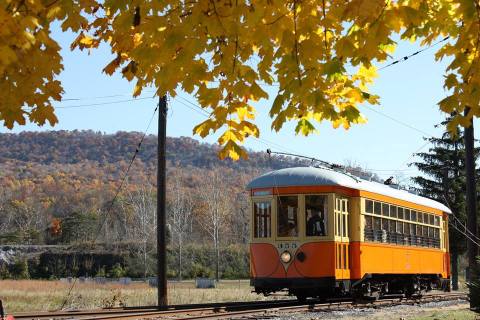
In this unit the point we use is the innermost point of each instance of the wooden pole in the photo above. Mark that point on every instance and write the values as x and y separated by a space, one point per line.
161 199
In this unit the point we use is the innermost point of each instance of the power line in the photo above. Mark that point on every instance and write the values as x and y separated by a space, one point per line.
399 121
103 103
463 233
405 58
274 84
206 114
104 97
119 189
457 220
92 98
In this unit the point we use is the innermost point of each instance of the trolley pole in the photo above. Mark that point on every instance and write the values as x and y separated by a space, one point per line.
471 208
161 196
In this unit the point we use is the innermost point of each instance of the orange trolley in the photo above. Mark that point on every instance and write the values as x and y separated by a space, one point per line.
318 232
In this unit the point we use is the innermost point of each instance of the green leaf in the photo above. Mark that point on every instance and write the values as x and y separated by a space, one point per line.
305 127
333 67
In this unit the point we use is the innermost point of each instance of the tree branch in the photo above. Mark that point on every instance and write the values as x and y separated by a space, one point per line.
296 42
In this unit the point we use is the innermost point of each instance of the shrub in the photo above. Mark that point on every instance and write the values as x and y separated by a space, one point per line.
117 271
199 271
19 270
4 273
101 272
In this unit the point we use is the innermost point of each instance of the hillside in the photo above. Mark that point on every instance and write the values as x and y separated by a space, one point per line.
60 188
68 179
73 147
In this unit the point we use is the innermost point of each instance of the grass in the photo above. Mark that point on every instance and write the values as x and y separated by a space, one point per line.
39 295
461 314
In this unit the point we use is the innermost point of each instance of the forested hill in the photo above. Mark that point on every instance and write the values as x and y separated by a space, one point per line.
73 147
69 188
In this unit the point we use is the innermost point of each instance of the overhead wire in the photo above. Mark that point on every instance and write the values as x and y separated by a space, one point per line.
120 187
400 60
198 109
405 58
104 97
206 114
463 233
103 103
399 121
458 219
117 192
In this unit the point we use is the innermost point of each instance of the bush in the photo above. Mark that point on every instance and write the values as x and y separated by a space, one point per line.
117 271
4 273
101 272
19 270
199 271
199 261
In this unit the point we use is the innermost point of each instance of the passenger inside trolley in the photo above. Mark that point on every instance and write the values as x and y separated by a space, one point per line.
287 216
315 215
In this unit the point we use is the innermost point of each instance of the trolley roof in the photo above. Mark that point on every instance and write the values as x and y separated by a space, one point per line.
314 176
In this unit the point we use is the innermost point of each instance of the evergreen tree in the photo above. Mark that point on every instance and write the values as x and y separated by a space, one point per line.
444 181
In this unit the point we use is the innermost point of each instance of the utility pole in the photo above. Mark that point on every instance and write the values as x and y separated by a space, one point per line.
161 207
471 209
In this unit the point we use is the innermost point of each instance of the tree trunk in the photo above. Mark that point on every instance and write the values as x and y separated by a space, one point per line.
145 260
472 249
454 255
217 263
180 251
217 254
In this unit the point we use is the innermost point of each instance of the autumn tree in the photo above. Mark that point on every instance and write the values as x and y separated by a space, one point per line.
142 226
215 210
320 54
180 207
444 180
240 219
30 59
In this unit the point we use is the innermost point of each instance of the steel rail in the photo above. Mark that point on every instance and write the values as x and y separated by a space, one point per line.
148 309
238 309
328 307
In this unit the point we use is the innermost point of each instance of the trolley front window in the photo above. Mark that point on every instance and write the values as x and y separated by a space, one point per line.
316 215
287 216
262 222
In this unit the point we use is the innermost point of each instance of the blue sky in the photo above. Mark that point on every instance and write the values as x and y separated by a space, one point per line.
409 92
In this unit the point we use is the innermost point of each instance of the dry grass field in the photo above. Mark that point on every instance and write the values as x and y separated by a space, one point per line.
36 295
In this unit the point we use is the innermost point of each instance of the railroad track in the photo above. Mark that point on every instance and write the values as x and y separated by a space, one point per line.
233 309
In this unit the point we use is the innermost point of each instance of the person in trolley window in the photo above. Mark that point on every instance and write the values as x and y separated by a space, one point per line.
316 222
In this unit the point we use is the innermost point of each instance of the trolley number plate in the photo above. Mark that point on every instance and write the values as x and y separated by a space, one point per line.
287 245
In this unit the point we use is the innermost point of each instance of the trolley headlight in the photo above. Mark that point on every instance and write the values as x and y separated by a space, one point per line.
286 257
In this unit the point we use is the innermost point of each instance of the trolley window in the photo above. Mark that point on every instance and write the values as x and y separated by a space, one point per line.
316 215
400 213
287 216
385 210
368 206
368 223
399 228
393 211
377 208
262 222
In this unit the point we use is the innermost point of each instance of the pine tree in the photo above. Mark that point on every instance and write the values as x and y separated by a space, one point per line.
444 181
